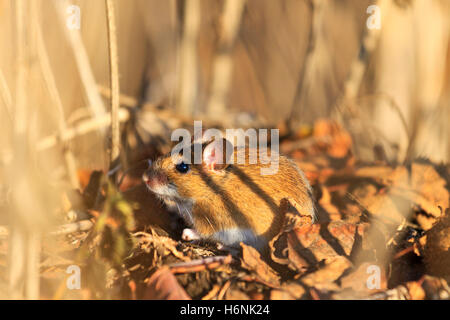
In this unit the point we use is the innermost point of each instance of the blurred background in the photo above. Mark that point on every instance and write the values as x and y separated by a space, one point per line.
284 63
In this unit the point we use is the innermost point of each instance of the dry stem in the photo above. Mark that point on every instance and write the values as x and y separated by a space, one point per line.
114 80
223 63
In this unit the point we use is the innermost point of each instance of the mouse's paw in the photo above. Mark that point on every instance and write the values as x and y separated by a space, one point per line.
190 235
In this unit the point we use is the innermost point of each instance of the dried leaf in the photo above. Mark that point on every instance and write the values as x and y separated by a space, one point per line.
340 140
425 288
304 246
358 279
163 285
234 294
289 291
437 248
420 185
251 260
323 278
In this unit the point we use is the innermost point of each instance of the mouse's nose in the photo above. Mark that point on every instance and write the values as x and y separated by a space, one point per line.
154 178
145 177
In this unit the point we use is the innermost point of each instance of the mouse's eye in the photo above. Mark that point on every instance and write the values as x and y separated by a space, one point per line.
182 167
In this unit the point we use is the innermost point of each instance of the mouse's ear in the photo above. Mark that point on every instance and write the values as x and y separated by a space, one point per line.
217 154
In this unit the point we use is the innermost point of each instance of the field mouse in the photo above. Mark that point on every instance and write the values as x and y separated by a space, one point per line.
228 203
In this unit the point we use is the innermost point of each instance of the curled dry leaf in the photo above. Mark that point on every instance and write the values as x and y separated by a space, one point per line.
364 279
427 287
341 141
212 293
300 246
419 184
437 248
251 260
163 285
325 277
289 291
425 187
326 203
163 245
416 290
234 294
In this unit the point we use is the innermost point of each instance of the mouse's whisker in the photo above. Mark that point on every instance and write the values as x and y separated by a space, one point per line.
209 222
185 213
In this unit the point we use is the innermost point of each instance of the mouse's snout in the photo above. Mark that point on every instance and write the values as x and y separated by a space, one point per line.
154 179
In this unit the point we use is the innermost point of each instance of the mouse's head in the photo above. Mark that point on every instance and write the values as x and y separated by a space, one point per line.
176 177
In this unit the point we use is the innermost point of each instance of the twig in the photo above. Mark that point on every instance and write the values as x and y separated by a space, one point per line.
82 128
124 99
114 80
249 278
224 289
83 225
403 252
78 226
223 64
200 264
212 293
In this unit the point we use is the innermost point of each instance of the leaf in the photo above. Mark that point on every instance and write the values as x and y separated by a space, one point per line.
427 287
251 260
357 279
300 245
323 278
419 185
437 247
163 285
289 291
234 294
340 141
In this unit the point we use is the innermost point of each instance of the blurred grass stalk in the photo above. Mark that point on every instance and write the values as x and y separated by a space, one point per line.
52 89
24 240
28 172
82 60
347 108
114 82
316 56
223 63
187 60
408 78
